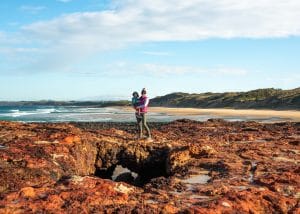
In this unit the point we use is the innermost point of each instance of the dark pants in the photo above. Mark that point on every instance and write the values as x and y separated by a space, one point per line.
142 122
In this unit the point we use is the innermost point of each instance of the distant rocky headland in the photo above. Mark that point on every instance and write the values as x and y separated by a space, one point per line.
257 99
66 103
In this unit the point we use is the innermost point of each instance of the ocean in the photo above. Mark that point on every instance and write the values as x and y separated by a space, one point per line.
39 113
74 114
61 114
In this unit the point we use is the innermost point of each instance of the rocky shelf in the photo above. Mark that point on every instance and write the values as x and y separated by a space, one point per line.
190 167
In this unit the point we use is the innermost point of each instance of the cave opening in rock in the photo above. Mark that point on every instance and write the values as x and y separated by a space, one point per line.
118 173
135 164
124 174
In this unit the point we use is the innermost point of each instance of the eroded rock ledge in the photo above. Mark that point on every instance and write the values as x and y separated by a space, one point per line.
202 167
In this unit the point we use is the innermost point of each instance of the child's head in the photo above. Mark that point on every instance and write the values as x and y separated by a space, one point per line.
135 94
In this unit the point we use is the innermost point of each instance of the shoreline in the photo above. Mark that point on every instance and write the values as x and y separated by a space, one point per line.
122 114
287 115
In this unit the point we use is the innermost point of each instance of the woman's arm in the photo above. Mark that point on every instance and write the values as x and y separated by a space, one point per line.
145 104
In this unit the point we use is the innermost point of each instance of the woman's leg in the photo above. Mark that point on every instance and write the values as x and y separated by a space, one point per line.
140 126
144 120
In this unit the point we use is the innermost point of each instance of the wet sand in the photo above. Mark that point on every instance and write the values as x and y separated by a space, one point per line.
284 115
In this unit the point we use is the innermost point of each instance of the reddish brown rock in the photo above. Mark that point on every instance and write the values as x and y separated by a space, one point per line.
194 167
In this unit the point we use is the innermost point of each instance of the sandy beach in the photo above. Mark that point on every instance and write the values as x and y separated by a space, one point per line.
287 115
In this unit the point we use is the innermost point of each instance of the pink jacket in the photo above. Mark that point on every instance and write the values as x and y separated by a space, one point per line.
143 104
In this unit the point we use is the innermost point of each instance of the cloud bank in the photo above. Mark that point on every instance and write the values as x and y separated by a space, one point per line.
32 9
72 37
158 20
165 70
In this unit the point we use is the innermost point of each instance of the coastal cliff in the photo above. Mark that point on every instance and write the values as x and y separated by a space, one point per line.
193 167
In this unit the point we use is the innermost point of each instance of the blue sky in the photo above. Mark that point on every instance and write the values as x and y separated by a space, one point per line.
75 49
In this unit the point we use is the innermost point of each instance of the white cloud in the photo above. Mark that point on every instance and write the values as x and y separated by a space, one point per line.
72 37
282 80
231 71
156 53
64 1
32 9
17 50
15 46
2 35
127 68
168 69
141 21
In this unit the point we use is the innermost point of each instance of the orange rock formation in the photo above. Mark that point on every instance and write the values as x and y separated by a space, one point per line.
193 167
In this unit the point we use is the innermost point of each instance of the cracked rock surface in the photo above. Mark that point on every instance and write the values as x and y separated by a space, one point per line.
190 167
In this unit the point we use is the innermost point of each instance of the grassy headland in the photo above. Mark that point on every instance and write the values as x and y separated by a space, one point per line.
269 98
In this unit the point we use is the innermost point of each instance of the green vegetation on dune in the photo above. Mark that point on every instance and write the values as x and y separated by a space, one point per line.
269 98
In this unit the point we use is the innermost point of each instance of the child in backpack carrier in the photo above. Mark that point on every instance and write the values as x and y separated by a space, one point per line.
135 102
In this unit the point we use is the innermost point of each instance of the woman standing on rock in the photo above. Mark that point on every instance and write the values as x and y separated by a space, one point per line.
141 117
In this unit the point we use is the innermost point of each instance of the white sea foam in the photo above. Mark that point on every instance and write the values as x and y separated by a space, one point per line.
46 110
14 110
20 113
